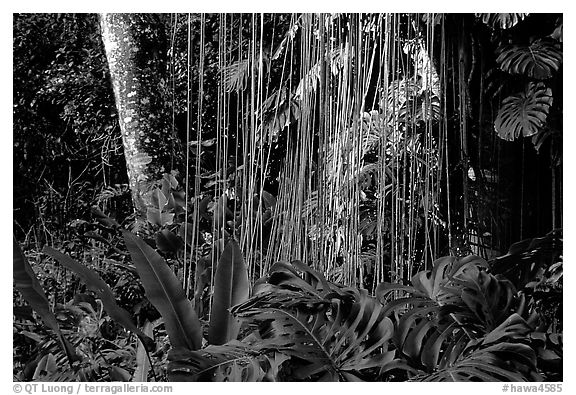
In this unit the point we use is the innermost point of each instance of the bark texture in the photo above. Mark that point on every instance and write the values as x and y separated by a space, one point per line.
135 48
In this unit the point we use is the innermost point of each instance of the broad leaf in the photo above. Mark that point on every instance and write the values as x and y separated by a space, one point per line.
499 362
233 361
231 287
538 60
158 198
157 217
27 283
442 312
526 260
524 113
431 283
490 298
513 327
498 357
103 291
166 294
338 332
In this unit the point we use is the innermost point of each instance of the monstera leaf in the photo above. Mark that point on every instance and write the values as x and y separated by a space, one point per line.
528 260
524 113
488 297
322 330
501 20
498 362
334 333
502 355
233 361
446 308
337 339
538 60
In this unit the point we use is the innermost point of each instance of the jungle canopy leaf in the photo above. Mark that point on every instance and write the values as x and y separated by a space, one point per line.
524 113
538 60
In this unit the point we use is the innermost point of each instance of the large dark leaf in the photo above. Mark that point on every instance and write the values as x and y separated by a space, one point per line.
527 260
499 362
233 361
488 297
338 332
103 291
166 294
431 283
524 113
538 60
27 283
444 310
428 335
500 356
231 287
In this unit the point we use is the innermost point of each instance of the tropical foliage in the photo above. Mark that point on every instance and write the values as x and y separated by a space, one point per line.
344 202
456 322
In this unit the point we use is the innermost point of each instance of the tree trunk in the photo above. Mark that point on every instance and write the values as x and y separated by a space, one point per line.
135 48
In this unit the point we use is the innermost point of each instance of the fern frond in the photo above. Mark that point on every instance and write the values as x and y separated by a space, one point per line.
236 75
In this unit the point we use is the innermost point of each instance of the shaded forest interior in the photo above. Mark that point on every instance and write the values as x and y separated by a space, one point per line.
333 166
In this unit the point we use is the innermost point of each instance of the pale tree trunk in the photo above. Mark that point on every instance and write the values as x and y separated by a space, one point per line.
135 48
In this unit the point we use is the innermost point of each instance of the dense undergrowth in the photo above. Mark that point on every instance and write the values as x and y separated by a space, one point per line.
119 313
